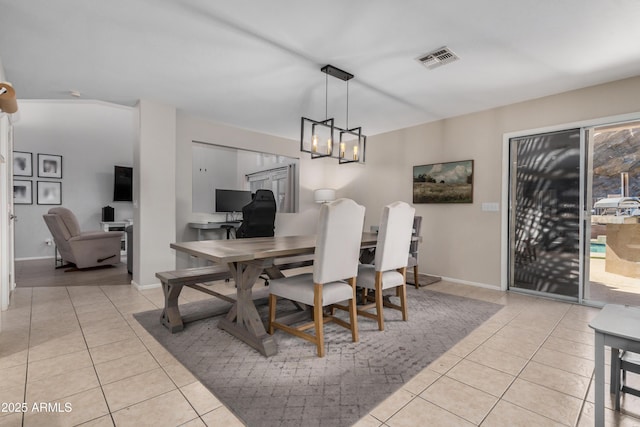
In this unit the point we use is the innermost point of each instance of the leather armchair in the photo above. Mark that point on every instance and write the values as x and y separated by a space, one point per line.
84 249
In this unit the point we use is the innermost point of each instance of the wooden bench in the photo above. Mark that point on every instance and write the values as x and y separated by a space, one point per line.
173 282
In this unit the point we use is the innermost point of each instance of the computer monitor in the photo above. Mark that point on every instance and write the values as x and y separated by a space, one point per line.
231 200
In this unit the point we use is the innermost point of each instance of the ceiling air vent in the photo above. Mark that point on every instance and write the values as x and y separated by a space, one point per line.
438 57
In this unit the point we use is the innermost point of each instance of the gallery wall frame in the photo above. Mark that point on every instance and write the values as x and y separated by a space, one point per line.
49 192
448 182
22 163
49 166
22 192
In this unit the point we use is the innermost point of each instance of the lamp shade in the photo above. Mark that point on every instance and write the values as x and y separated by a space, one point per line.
324 195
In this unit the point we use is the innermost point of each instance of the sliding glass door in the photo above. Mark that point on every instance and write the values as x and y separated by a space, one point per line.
545 220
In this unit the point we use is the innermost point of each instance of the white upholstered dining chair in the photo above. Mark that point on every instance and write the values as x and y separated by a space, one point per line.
333 280
389 269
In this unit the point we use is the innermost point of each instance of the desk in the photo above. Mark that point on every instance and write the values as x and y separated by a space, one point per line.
247 259
214 225
616 326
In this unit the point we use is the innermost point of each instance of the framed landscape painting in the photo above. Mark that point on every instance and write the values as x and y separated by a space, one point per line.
450 182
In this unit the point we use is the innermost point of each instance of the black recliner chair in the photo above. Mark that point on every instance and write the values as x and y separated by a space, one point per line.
259 216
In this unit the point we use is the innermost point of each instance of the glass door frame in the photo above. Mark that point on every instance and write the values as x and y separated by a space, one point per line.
586 127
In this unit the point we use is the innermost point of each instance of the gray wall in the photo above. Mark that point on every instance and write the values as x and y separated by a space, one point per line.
91 137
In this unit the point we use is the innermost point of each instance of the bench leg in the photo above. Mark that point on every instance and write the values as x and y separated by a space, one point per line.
171 317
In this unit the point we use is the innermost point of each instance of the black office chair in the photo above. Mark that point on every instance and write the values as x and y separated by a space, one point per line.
259 216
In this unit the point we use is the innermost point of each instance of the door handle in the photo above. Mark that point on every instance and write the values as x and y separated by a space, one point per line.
13 217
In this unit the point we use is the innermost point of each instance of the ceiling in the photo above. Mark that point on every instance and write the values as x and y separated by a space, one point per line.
255 64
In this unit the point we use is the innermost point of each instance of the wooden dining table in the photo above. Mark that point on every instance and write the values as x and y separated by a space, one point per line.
247 259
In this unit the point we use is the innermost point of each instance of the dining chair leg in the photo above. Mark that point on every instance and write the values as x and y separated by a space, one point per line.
379 300
272 312
415 277
353 314
403 301
318 318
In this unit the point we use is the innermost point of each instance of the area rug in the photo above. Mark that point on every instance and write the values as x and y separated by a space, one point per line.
294 387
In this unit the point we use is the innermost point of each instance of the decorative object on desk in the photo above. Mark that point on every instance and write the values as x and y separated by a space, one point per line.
8 103
22 192
450 182
324 195
318 136
49 166
268 391
49 193
108 214
22 163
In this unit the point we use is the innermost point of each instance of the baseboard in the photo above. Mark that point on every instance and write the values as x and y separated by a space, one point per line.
467 282
33 258
144 287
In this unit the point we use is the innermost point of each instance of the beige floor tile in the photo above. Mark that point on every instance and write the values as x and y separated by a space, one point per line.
569 347
506 414
13 376
458 398
125 367
221 417
116 350
497 359
62 385
392 404
169 409
197 422
137 388
502 343
113 335
445 362
564 361
70 343
611 417
368 421
573 335
180 375
418 411
556 379
200 398
481 377
552 404
72 410
58 365
11 394
11 420
105 421
420 382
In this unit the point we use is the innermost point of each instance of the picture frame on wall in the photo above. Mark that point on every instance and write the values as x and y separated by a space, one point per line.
49 166
22 192
450 182
22 163
49 192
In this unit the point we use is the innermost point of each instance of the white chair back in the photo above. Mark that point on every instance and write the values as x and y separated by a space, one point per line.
394 236
338 241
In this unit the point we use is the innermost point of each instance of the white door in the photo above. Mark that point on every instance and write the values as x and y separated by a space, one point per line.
7 277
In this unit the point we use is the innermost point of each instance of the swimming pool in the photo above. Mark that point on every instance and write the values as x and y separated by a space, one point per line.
598 248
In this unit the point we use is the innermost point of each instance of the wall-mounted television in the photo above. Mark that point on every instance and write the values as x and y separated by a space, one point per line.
123 184
231 200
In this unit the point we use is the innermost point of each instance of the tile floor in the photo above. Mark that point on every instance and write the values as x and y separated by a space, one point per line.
531 364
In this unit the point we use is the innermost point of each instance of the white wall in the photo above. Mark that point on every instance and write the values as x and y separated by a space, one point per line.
312 174
154 192
91 137
461 241
213 167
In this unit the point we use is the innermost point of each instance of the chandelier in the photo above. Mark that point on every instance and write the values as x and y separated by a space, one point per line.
318 136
